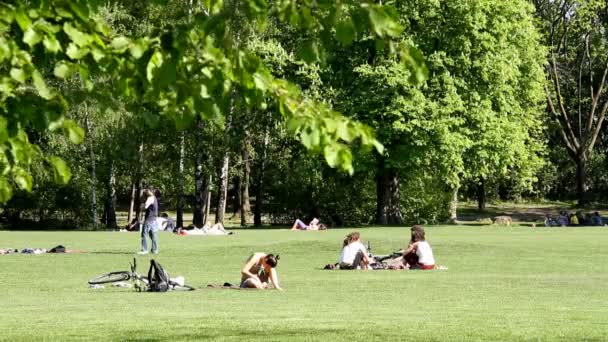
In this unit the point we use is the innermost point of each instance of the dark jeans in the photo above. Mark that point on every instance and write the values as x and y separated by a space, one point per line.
411 259
357 262
149 229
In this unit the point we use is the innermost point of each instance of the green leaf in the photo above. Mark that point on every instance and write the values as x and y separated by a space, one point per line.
22 19
74 52
120 44
81 10
18 75
344 131
414 62
331 155
74 132
97 54
61 171
156 60
6 191
78 37
345 31
22 179
7 15
62 70
378 146
31 37
62 12
41 86
5 49
51 44
138 48
3 130
384 21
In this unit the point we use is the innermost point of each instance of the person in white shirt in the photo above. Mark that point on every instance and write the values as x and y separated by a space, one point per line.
354 254
419 254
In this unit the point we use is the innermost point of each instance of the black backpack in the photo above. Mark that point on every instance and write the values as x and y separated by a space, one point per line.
158 278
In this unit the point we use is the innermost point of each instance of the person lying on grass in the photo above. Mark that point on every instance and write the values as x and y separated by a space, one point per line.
216 229
258 270
354 254
313 225
419 255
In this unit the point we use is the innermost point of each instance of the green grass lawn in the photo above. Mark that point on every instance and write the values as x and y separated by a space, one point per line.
502 284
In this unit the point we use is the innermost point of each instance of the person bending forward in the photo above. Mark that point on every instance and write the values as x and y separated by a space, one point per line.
259 270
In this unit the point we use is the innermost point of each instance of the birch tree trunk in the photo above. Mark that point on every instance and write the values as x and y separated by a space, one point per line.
259 199
111 200
199 199
180 187
93 171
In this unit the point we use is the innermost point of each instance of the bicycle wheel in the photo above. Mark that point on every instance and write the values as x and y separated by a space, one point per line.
111 277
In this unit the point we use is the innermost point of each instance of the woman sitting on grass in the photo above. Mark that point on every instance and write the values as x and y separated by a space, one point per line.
354 254
419 255
258 270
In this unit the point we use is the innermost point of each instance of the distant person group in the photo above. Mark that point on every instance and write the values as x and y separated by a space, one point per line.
418 255
565 219
259 270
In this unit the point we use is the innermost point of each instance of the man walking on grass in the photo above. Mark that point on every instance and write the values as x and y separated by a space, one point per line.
150 227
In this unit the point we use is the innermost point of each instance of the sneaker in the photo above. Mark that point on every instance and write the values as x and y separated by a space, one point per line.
142 252
155 252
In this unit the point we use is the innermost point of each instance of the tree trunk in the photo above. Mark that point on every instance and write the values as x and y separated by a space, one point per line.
180 186
138 190
206 198
581 180
394 215
132 203
199 195
223 189
236 203
111 200
245 203
454 206
383 193
93 172
208 206
139 183
481 195
259 193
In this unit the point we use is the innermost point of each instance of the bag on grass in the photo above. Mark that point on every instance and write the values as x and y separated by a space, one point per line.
57 249
158 278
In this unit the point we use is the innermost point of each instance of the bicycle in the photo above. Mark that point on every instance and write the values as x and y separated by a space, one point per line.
140 283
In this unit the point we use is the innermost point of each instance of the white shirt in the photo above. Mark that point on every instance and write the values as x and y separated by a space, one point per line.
425 253
149 201
350 251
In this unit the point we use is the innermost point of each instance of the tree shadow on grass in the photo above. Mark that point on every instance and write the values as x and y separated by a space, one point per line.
113 252
235 334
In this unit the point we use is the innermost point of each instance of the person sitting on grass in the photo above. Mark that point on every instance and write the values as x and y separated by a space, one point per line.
133 226
166 223
313 225
573 220
354 254
258 270
562 220
596 219
550 221
419 255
